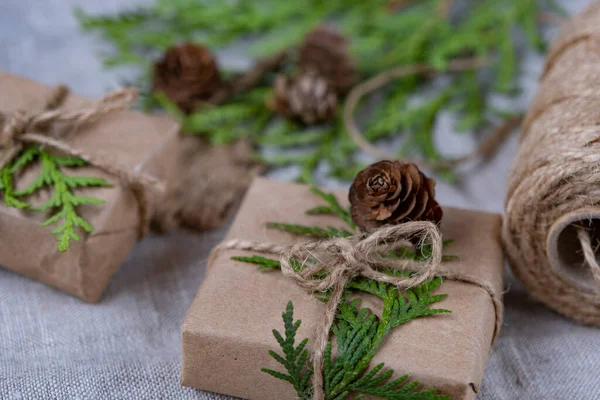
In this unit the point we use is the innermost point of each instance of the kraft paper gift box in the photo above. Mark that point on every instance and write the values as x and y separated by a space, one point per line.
137 143
227 330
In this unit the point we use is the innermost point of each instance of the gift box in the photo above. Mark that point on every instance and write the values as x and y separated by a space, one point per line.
136 143
227 332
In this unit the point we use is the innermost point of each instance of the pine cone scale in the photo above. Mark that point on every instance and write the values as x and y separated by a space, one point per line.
403 212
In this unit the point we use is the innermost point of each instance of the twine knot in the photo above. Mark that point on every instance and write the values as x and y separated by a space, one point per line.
323 265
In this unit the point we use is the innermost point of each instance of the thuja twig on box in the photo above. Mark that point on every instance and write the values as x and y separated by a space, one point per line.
358 332
382 34
63 199
22 148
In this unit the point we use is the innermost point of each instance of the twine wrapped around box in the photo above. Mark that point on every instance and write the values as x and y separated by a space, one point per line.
347 258
227 332
135 153
25 126
552 223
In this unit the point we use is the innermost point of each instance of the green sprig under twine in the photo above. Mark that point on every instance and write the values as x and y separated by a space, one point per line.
63 202
381 39
358 332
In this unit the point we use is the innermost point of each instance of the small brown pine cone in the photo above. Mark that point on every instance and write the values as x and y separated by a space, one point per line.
325 51
188 75
308 98
392 192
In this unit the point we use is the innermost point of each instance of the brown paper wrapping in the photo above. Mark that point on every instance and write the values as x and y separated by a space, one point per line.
134 141
227 330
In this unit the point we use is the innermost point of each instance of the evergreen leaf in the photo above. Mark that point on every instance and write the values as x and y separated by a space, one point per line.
62 197
263 263
83 181
71 162
10 196
320 210
295 229
298 374
278 375
330 199
79 200
27 156
278 358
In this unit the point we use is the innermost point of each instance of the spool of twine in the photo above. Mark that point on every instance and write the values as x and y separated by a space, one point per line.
552 226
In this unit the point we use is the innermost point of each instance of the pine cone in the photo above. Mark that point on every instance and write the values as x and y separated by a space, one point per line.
392 192
325 51
188 75
308 98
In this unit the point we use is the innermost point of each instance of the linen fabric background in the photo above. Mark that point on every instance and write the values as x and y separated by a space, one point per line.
53 346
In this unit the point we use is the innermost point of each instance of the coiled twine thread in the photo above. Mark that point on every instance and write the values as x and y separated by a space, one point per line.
551 231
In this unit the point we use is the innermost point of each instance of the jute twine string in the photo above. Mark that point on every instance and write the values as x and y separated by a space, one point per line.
589 254
343 259
554 187
485 150
31 126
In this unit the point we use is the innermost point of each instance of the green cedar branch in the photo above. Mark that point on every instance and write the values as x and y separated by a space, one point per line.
302 230
357 331
294 358
358 335
63 201
383 36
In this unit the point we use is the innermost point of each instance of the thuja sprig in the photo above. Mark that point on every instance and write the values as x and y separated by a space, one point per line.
358 335
6 185
294 358
382 37
245 116
63 201
332 207
358 332
302 230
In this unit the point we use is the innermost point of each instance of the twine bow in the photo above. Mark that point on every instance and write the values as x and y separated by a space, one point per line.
29 126
343 259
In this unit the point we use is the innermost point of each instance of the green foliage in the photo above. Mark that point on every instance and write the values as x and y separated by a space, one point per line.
380 38
63 201
6 185
294 358
263 263
422 253
332 208
302 230
244 117
358 335
357 331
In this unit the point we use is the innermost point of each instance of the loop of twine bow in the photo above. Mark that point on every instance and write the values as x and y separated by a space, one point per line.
28 126
343 259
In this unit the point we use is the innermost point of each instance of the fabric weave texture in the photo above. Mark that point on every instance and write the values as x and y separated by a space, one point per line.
128 346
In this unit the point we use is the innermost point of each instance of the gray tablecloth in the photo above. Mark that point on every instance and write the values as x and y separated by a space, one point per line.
53 346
